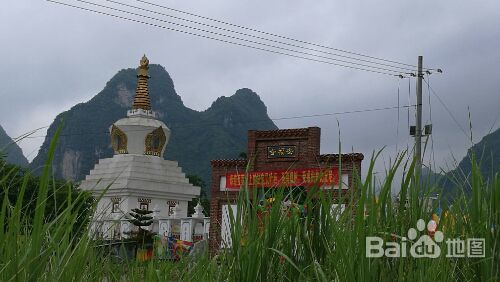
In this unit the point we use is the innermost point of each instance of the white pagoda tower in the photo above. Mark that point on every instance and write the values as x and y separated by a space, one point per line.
137 176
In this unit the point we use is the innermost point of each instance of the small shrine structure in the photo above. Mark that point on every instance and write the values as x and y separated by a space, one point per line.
137 176
278 159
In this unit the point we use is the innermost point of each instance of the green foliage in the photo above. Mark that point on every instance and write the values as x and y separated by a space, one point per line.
487 154
323 245
204 199
58 194
242 155
290 247
140 219
40 247
487 158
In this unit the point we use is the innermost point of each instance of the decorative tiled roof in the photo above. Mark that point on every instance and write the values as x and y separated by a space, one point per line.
345 157
325 158
296 132
142 100
229 162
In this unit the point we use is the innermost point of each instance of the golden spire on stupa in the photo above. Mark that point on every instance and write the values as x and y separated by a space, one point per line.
142 100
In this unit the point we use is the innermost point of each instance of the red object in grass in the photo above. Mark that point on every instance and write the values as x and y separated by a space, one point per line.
282 259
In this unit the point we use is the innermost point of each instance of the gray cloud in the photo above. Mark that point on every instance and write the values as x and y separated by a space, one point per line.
54 57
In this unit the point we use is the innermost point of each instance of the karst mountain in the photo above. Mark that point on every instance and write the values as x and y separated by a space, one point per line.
197 136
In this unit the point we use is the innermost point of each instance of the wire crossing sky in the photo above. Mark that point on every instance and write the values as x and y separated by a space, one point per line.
394 64
186 123
55 57
211 34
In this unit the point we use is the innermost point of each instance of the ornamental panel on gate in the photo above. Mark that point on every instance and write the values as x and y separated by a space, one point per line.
277 159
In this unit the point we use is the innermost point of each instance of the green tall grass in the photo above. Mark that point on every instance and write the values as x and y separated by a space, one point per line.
320 247
324 245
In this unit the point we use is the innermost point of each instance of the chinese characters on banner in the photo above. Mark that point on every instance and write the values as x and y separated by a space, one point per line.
280 178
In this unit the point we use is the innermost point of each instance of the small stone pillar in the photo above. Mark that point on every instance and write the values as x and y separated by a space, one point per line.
206 225
165 227
124 228
198 211
177 211
187 229
155 215
156 212
106 230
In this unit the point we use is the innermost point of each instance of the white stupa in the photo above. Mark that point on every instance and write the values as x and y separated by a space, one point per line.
137 176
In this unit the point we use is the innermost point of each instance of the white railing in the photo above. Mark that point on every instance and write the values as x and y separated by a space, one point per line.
191 229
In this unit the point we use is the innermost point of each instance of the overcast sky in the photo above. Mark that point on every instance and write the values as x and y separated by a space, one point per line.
54 57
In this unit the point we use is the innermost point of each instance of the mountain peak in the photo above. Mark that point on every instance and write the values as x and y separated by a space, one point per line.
197 137
10 150
245 99
245 92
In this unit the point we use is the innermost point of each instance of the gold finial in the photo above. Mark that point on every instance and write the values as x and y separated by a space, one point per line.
141 100
144 66
144 61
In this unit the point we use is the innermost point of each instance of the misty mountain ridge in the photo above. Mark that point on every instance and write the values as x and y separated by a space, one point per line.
197 136
10 150
487 156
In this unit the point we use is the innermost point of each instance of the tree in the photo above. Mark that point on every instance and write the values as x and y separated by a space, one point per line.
204 199
141 218
60 194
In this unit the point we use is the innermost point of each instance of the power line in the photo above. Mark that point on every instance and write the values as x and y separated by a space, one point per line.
22 136
395 73
446 108
494 122
273 34
245 34
244 122
347 112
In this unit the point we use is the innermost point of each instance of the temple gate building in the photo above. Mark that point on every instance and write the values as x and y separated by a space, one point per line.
277 159
137 176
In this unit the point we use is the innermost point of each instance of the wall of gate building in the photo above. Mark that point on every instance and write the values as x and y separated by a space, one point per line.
277 159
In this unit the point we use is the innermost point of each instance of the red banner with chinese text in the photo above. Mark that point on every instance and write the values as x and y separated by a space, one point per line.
281 178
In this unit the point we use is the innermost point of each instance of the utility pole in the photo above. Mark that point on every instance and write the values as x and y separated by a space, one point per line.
418 124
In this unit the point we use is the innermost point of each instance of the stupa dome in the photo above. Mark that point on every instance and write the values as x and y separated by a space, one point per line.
140 133
138 176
